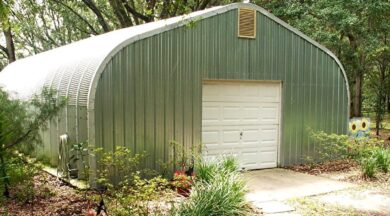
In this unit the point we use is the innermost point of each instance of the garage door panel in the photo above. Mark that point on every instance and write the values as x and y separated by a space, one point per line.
211 137
231 136
265 92
268 157
270 113
211 113
227 113
231 113
242 120
270 92
250 135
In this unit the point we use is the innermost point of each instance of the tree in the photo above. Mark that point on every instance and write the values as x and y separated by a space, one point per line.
8 49
344 26
378 78
20 123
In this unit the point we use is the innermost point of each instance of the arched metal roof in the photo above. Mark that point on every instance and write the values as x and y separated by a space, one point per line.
74 69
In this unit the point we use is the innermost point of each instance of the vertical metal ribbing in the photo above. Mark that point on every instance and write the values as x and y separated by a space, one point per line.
285 56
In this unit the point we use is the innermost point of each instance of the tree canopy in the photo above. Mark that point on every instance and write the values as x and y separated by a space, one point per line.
357 31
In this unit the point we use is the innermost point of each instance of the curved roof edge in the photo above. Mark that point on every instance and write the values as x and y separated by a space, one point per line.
187 18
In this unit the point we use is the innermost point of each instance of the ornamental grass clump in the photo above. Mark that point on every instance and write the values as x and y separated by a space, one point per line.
218 190
382 159
369 166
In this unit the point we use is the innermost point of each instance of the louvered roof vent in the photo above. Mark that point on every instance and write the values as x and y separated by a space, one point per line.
246 23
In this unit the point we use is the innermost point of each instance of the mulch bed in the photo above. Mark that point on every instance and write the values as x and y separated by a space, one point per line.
52 197
325 167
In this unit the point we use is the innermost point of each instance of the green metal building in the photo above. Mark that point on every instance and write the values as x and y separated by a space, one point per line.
235 78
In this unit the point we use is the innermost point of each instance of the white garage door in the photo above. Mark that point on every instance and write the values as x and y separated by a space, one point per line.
242 119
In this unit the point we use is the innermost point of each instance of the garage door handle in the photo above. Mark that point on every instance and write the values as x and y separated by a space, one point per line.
241 135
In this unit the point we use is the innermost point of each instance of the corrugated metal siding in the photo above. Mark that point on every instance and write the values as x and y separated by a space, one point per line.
150 92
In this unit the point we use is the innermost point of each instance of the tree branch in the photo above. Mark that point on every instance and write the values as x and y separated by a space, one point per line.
19 140
91 5
78 15
2 48
135 13
120 13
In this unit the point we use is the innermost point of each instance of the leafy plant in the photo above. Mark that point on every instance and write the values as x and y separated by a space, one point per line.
137 199
128 192
183 158
21 174
222 193
118 167
382 157
20 123
206 171
79 158
369 166
182 180
330 146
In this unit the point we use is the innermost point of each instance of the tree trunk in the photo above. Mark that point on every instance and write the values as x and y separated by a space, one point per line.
357 99
9 45
121 14
388 102
3 174
381 100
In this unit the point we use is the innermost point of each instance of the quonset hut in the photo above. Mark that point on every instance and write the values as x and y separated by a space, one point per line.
235 78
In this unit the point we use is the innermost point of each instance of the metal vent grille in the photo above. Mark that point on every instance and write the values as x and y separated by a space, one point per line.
246 23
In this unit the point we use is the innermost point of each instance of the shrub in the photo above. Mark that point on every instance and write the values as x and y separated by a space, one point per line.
369 166
382 157
218 190
182 180
20 175
20 126
136 199
117 168
330 146
128 193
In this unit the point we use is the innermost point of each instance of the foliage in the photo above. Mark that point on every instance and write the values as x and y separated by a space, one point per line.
20 175
369 166
206 170
182 157
371 153
118 168
330 146
138 199
182 180
128 192
354 30
79 158
382 157
20 123
222 193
